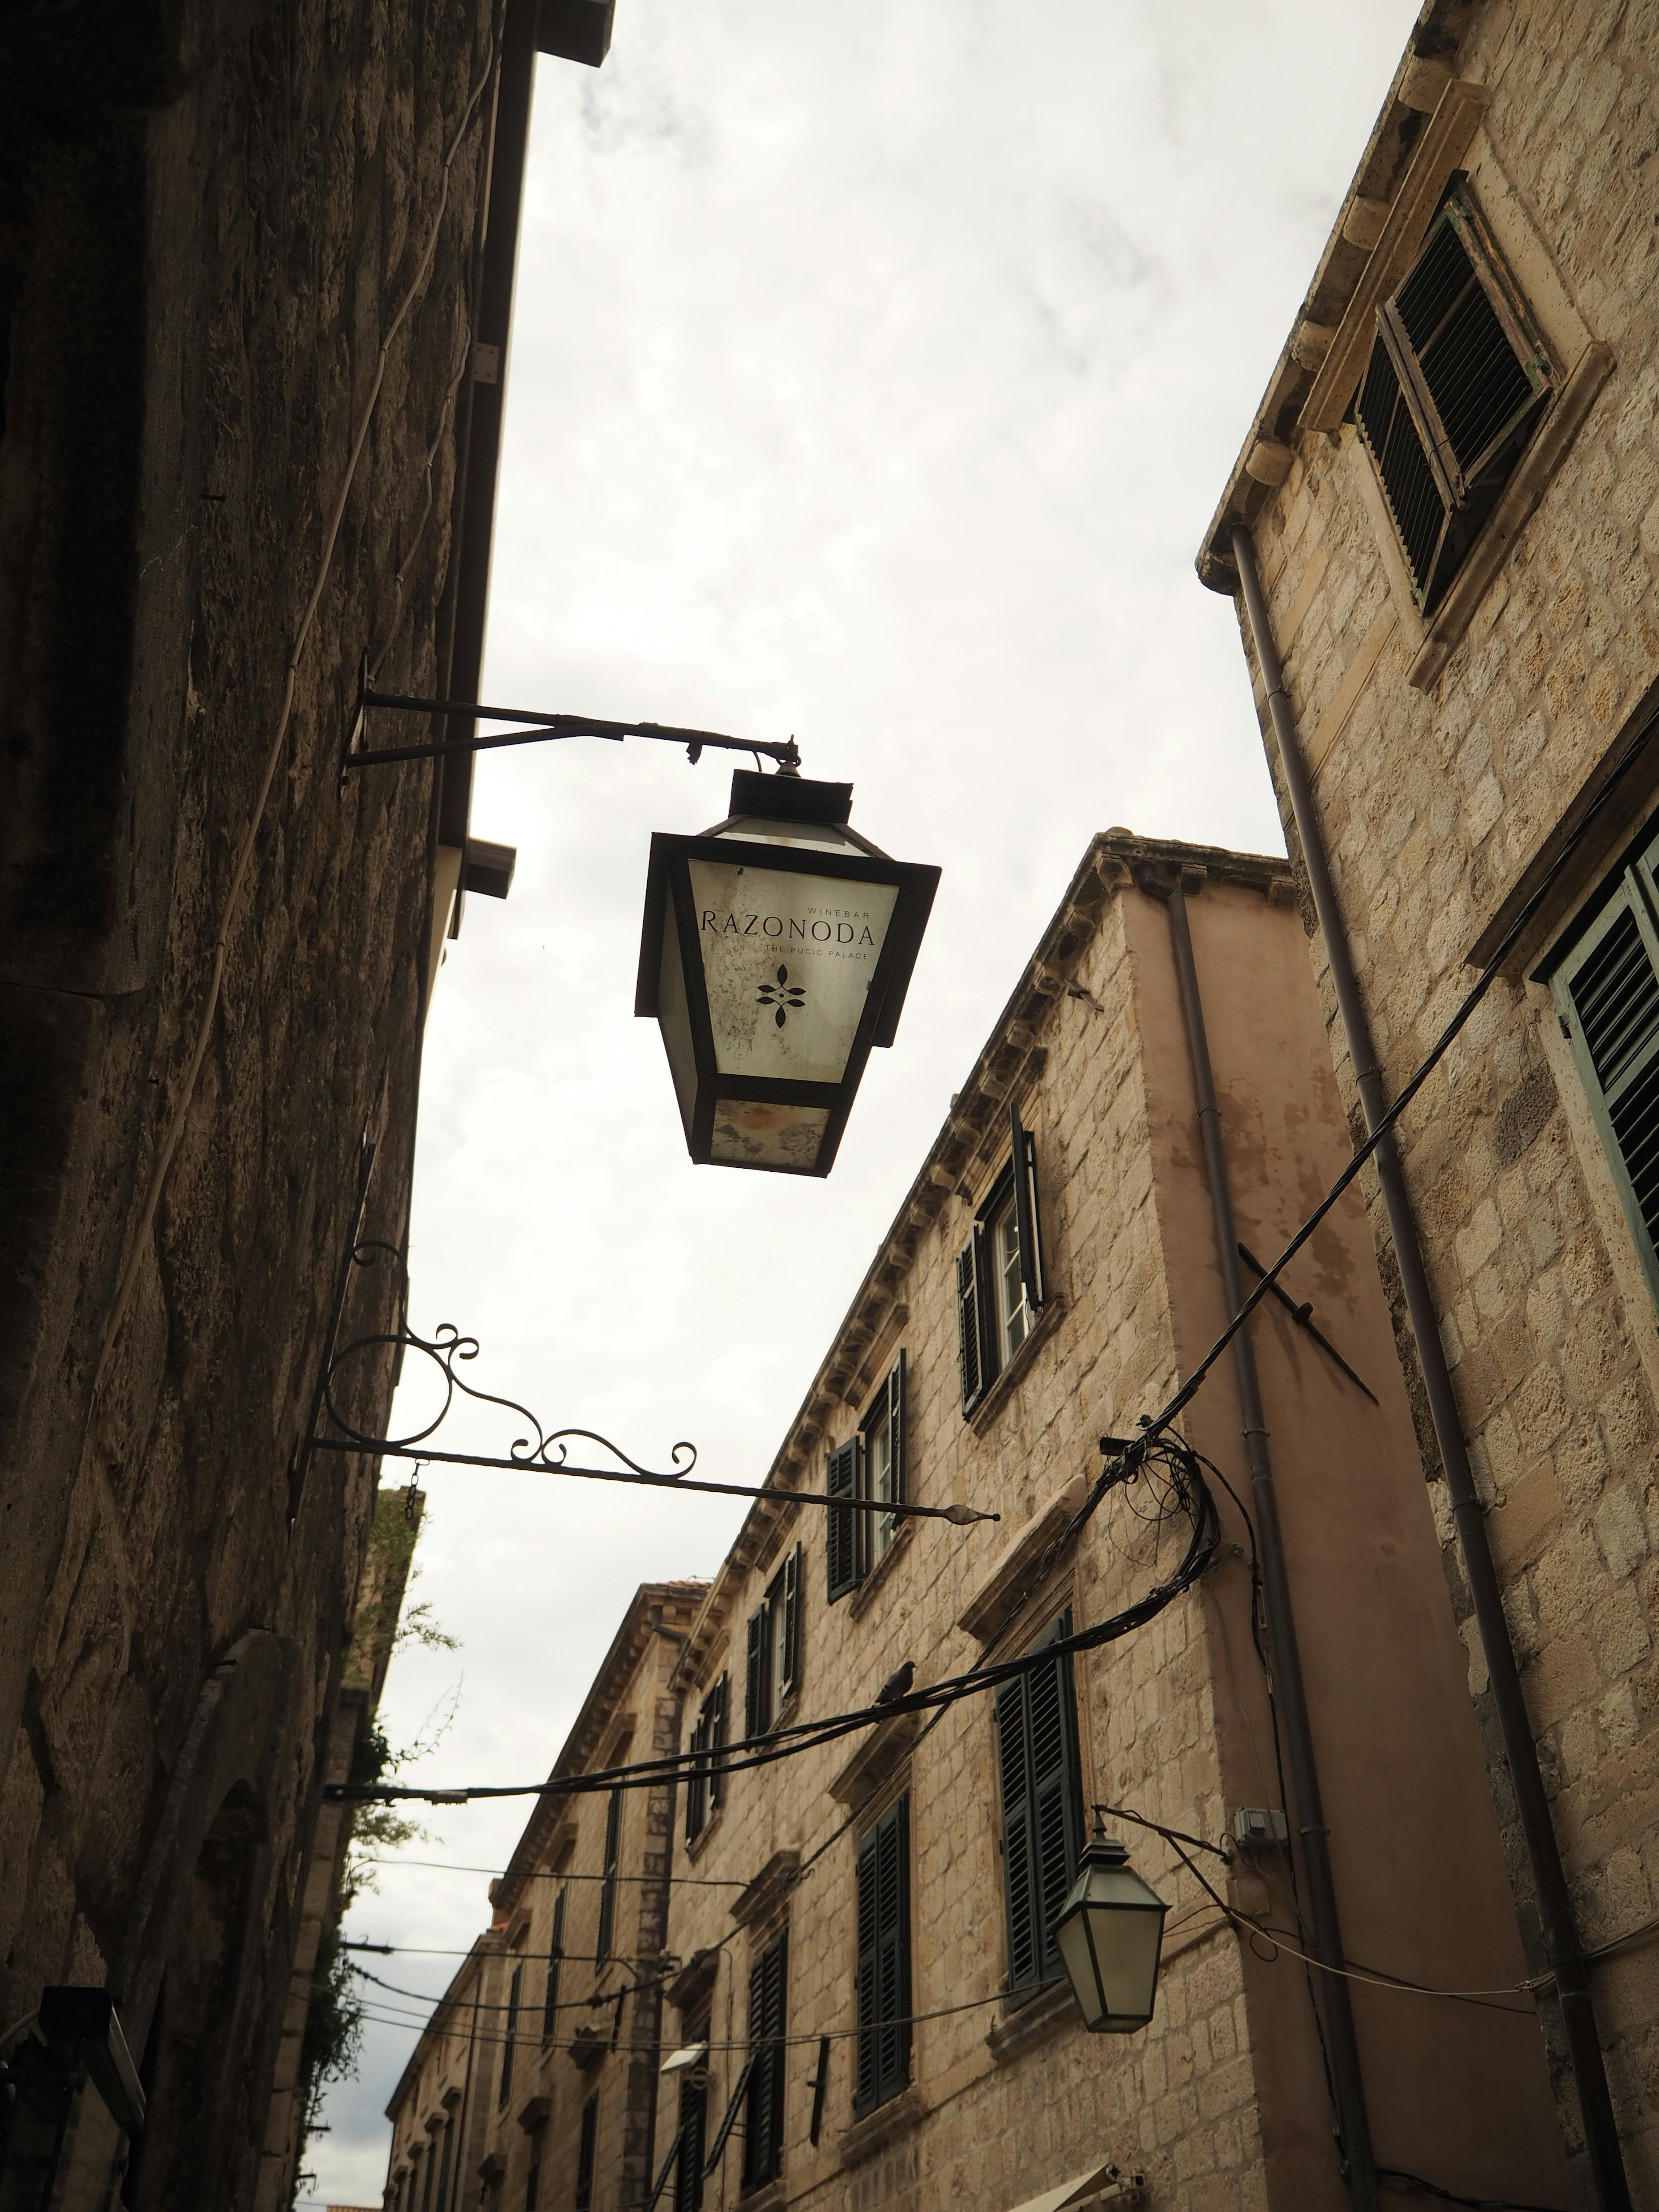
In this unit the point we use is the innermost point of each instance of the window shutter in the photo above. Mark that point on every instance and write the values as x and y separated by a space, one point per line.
1013 1768
716 1737
969 1344
696 1781
884 1967
763 2148
754 1684
585 2154
506 2090
841 1545
1610 988
1023 1154
694 2122
1056 1799
608 1889
555 1957
790 1596
896 1424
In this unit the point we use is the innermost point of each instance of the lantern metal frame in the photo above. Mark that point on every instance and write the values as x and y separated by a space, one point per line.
669 903
1103 1852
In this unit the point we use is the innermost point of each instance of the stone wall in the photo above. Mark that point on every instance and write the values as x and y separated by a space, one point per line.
1440 793
223 217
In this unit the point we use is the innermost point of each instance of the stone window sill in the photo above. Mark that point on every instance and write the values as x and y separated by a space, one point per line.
698 1845
868 2135
1008 1381
764 2197
1036 2019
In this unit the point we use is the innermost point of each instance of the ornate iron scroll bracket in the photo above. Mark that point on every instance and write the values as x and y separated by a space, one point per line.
533 728
545 1451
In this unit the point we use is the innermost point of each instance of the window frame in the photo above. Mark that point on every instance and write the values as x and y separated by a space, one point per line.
1630 886
773 1673
850 1537
982 1330
1022 1869
1467 491
883 1974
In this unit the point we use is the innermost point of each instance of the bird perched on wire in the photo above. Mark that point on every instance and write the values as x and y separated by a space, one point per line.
897 1685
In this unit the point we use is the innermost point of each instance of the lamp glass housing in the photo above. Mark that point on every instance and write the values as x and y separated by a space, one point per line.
777 949
1109 1936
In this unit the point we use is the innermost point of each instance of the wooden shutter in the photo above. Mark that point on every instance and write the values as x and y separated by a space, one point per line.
970 1326
1450 393
762 2146
884 1960
789 1597
608 1889
694 2126
896 1425
755 1699
715 1709
443 2163
841 1545
584 2153
555 1956
1022 1157
1608 989
506 2090
1035 1723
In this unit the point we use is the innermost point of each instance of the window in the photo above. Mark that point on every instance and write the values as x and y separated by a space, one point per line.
426 2196
608 1886
583 2198
702 1786
762 2122
1452 391
1036 1722
1606 992
869 1465
884 1967
554 1960
443 2165
512 2028
774 1650
694 2126
533 2180
999 1282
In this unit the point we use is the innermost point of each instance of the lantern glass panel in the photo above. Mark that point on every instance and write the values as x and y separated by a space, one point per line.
787 960
748 1134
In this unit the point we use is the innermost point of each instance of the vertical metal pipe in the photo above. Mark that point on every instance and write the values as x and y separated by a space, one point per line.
1610 2185
1347 2081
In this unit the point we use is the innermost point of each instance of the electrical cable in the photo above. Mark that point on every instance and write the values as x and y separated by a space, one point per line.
173 1132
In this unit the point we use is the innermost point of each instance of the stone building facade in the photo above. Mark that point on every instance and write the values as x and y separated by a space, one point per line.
1471 727
256 288
861 2000
537 2075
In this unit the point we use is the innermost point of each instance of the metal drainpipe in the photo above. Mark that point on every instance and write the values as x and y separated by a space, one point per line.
1561 1945
1347 2081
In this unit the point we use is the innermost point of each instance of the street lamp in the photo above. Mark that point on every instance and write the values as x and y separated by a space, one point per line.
1109 1936
776 950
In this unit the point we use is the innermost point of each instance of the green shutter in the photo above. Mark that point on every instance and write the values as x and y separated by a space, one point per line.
716 1711
1036 1722
584 2153
555 1954
754 1682
1607 990
970 1323
762 2141
1023 1156
789 1597
608 1888
896 1426
506 2090
841 1546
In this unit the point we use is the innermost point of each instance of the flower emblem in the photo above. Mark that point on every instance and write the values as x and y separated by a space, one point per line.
786 996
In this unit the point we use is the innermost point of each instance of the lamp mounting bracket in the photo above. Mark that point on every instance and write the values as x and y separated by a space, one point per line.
530 727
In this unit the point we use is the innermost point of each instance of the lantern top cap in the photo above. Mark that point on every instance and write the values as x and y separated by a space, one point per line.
790 798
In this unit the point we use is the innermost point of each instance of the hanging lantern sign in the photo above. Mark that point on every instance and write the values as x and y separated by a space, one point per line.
777 950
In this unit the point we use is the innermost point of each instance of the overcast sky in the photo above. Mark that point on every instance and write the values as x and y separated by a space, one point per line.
875 370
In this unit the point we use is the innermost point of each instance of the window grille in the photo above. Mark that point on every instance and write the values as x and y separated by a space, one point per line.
1606 984
1455 382
1036 1722
1000 1283
884 1960
870 1465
